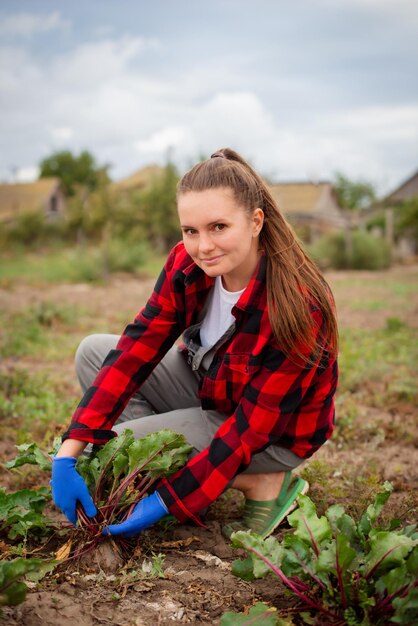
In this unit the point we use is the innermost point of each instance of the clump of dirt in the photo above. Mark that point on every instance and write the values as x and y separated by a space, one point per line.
106 557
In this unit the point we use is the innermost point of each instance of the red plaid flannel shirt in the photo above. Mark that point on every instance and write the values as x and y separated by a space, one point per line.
269 398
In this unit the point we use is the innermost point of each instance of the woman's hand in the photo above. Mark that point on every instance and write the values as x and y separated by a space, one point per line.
68 488
148 511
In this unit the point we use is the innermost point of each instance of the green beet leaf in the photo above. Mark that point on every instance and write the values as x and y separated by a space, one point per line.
21 511
20 524
169 461
12 589
260 614
300 560
393 581
244 569
26 499
298 554
308 526
120 464
343 523
406 609
89 469
115 447
266 554
412 562
148 451
30 453
339 554
387 550
373 511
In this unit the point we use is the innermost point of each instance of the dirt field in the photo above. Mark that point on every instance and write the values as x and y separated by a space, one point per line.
376 439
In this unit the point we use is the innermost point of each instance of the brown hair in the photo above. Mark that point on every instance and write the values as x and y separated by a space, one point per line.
293 280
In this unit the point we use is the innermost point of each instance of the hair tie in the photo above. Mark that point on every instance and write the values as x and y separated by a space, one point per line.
217 154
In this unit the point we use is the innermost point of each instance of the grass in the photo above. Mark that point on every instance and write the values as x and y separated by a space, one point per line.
91 264
32 406
43 327
368 305
388 356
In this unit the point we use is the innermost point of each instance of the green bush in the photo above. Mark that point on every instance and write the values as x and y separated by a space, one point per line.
123 256
368 252
31 232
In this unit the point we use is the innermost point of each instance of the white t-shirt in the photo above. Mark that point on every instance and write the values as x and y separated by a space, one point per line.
218 317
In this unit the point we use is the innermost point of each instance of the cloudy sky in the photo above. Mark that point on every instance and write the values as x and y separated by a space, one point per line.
302 88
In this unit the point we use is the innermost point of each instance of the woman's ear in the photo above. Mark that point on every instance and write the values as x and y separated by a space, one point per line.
258 221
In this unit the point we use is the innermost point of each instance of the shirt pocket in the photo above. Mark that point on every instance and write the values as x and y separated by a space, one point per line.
241 366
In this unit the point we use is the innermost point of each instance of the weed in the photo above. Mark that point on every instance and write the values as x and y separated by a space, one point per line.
394 324
378 356
29 331
30 400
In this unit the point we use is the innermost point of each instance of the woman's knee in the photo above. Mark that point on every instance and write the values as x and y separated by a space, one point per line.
92 351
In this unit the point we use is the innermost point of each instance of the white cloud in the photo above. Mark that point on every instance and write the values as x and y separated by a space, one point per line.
27 174
383 123
28 24
62 134
91 64
98 96
160 141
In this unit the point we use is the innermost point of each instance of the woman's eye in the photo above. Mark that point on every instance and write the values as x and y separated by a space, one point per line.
219 227
189 231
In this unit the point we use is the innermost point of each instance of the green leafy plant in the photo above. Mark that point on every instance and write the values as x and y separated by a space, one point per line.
260 613
22 512
12 589
120 473
31 454
117 475
341 572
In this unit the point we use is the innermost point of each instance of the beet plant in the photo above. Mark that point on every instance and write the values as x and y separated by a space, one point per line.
117 475
12 586
340 571
21 513
122 472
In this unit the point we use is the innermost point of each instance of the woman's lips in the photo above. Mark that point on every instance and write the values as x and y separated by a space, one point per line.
212 260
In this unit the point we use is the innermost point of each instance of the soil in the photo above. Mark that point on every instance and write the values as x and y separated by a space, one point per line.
195 584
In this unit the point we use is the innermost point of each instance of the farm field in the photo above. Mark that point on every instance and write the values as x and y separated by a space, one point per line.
182 573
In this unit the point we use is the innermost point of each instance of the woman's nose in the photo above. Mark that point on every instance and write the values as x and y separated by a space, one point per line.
205 243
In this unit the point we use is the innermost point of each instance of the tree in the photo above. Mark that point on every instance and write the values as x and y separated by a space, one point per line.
353 195
74 171
407 219
158 209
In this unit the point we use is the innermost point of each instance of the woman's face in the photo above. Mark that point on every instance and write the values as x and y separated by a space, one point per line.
220 235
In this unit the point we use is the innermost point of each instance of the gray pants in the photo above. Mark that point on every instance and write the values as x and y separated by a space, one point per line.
168 399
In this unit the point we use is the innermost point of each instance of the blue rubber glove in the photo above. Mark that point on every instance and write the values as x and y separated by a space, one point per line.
148 511
68 487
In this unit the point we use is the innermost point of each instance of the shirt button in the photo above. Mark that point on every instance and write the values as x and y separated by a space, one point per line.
194 366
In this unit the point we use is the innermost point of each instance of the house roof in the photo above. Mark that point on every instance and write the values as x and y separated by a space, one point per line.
139 179
17 198
406 191
313 200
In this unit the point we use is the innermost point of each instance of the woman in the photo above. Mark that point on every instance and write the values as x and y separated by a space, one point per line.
252 387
